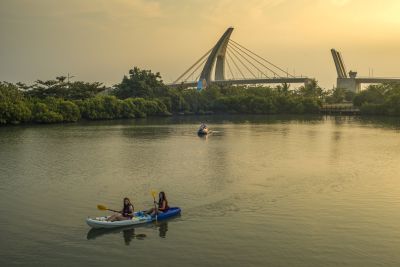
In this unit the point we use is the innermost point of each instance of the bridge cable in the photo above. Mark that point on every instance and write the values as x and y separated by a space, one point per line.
191 74
197 77
268 62
288 74
229 67
234 53
234 48
240 71
228 54
191 67
201 64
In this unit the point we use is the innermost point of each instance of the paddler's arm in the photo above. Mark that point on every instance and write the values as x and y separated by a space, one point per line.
132 211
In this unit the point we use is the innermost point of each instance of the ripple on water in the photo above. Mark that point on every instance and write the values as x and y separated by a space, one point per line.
278 191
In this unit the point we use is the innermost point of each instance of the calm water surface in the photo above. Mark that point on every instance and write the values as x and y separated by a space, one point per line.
259 191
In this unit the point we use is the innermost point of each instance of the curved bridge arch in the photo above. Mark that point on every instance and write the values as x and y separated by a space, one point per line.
216 56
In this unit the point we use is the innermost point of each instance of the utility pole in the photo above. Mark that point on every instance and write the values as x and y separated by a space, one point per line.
69 77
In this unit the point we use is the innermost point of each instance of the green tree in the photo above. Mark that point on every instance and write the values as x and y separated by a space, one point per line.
311 89
141 83
60 89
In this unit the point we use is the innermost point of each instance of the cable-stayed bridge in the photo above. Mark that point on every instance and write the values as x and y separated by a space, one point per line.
228 62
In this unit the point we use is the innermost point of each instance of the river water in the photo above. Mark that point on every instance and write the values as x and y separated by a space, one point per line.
258 191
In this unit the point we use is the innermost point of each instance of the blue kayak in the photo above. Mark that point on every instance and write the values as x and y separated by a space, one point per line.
138 218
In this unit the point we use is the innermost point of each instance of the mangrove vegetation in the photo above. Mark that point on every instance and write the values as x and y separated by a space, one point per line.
143 93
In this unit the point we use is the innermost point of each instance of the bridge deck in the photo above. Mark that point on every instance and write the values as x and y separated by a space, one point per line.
377 80
249 81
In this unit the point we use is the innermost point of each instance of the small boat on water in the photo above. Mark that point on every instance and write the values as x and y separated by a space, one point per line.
139 218
203 130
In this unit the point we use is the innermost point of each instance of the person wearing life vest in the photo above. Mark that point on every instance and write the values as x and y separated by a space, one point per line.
125 214
162 205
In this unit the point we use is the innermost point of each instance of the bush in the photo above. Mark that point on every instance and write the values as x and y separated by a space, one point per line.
372 109
101 108
311 105
69 111
373 94
42 114
13 106
382 99
156 107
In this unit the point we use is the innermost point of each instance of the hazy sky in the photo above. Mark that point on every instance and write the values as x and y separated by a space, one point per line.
100 40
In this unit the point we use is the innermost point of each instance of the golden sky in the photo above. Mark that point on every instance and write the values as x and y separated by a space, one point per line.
100 40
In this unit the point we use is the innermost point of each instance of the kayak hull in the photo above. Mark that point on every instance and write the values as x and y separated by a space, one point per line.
138 219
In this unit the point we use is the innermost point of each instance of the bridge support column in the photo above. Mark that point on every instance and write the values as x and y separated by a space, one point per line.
307 82
350 84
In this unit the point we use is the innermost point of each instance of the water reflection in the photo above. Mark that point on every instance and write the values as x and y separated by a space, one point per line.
148 133
128 234
163 229
203 136
392 123
214 119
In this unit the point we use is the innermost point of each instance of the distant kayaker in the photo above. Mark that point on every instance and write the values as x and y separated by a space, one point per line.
125 214
203 130
162 205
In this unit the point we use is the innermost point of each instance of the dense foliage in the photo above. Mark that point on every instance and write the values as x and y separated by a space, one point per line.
339 95
381 99
18 106
143 93
140 83
13 106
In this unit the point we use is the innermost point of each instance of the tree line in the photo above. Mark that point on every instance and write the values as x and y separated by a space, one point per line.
143 93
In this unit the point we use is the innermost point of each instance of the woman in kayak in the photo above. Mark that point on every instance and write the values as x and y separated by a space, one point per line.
125 214
162 205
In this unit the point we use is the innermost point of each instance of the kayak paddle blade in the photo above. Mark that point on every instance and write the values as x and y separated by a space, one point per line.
101 207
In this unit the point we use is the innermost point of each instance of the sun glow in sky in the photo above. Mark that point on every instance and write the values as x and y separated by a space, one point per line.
100 40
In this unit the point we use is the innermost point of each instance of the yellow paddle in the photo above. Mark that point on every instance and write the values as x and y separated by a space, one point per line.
102 207
154 193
